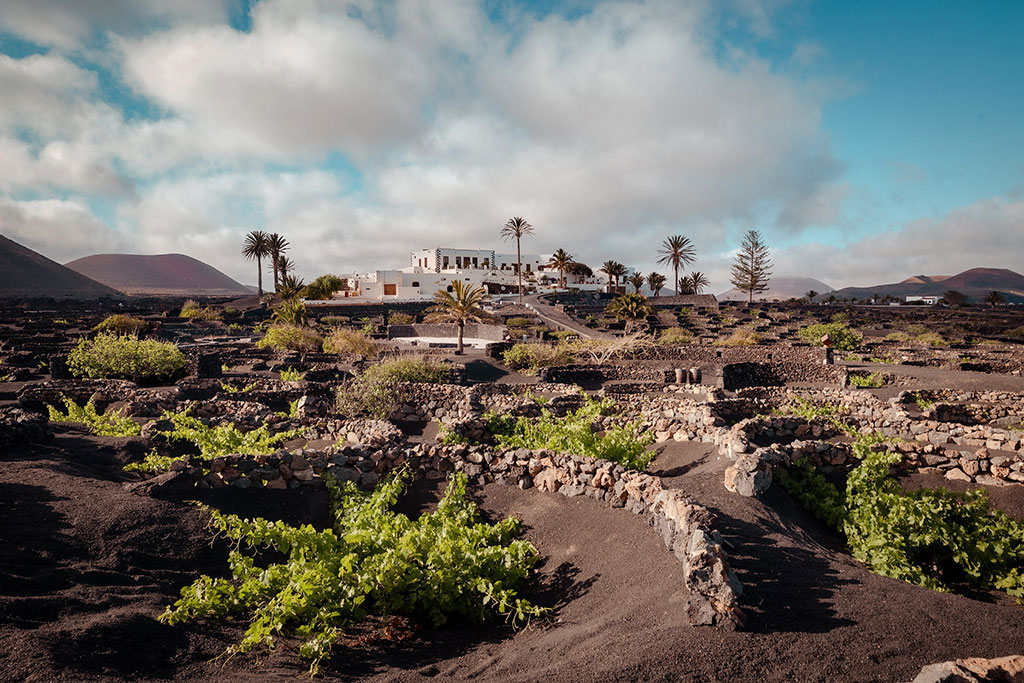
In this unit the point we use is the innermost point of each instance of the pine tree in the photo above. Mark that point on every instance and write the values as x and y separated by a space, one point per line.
751 272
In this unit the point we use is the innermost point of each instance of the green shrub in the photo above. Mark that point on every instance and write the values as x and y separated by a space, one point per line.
153 463
932 339
224 439
350 343
861 381
562 335
1016 333
929 537
518 323
109 356
122 324
843 338
378 391
574 434
529 358
335 320
324 287
445 563
674 336
289 312
193 311
110 423
282 337
292 375
231 312
742 337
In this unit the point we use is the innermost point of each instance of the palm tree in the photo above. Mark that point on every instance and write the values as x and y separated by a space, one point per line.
613 269
461 305
810 294
283 265
256 248
276 246
697 282
518 228
677 251
631 308
637 280
290 287
994 298
560 260
655 281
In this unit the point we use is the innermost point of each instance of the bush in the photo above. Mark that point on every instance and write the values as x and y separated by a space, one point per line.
122 324
574 434
335 320
111 423
843 338
109 356
231 312
744 337
290 312
193 311
862 381
350 342
374 560
224 439
292 375
401 319
518 323
531 357
324 287
291 338
1016 333
674 336
932 339
378 391
930 537
918 336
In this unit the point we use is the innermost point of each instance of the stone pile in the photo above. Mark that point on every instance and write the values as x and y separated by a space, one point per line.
20 427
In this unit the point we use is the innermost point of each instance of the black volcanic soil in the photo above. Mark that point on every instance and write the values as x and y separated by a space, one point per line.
85 568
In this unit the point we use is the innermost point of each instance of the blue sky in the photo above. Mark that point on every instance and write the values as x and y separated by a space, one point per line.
867 141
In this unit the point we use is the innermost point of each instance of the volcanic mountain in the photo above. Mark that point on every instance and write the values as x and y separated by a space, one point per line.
780 289
27 273
975 284
159 275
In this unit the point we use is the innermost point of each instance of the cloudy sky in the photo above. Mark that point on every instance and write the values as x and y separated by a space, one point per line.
867 141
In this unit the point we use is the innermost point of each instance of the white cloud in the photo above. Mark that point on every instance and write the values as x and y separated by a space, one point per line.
985 234
608 131
67 24
59 229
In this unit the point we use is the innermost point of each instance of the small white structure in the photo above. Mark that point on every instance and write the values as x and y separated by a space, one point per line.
927 300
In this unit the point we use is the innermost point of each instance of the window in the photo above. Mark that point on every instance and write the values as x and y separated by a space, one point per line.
444 262
415 283
390 290
474 262
458 261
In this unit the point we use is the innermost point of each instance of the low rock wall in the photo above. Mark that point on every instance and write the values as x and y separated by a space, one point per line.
18 427
686 527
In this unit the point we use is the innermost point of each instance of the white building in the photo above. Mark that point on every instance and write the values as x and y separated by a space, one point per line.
435 269
927 300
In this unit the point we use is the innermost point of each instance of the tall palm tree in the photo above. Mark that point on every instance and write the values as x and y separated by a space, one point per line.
994 298
560 260
518 228
613 269
637 280
810 294
655 281
461 305
255 247
276 245
677 251
697 281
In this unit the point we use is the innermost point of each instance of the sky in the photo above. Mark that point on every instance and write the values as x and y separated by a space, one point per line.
867 142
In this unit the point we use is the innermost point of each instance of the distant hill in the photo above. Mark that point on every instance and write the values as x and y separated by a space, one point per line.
26 273
975 284
780 289
924 279
159 275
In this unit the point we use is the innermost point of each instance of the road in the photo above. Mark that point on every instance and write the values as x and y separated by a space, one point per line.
550 314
